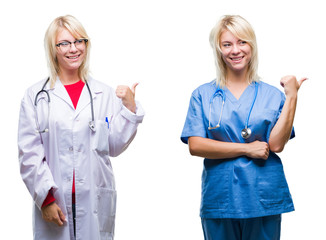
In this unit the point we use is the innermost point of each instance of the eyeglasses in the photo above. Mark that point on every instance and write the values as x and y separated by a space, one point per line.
79 43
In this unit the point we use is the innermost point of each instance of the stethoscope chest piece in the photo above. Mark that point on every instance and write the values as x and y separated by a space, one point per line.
246 133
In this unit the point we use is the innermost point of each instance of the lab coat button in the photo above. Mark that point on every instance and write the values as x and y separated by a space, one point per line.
71 149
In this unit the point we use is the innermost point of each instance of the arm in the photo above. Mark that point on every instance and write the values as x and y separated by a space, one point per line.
281 132
34 170
126 120
208 148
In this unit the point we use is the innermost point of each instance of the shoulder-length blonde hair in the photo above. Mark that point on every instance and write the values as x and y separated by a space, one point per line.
77 30
240 28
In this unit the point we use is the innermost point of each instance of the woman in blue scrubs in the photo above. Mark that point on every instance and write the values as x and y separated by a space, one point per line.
238 124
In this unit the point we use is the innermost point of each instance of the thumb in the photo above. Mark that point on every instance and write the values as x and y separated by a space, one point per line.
133 88
301 81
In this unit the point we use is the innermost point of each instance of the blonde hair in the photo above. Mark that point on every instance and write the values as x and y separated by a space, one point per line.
240 28
77 30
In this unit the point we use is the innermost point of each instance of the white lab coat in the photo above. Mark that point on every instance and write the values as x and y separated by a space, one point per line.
48 161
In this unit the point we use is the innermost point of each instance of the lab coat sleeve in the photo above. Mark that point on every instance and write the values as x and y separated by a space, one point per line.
33 167
123 128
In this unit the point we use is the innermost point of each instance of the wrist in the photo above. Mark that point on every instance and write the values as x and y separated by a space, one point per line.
244 149
131 107
291 96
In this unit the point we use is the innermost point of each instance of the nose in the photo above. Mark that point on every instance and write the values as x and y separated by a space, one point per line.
72 48
236 49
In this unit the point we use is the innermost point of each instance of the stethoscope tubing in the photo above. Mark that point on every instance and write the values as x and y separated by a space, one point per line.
91 123
252 105
246 132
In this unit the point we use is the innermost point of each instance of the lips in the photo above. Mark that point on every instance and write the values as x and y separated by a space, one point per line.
237 59
73 57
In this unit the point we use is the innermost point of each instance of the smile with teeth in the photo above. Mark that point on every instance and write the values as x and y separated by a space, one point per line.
237 58
73 57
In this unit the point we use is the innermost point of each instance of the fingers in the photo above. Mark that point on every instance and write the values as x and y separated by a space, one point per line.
291 85
59 218
266 154
61 215
127 96
124 91
58 221
264 150
53 213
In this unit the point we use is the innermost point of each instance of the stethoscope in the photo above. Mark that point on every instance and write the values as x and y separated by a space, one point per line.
91 123
246 132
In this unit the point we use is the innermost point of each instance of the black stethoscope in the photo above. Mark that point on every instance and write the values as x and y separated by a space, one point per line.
246 132
91 123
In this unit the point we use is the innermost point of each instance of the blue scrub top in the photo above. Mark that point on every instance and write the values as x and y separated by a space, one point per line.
239 187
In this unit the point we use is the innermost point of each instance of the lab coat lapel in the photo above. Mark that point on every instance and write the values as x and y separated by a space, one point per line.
60 91
85 98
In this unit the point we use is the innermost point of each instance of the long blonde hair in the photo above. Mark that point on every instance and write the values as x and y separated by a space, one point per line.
240 28
77 30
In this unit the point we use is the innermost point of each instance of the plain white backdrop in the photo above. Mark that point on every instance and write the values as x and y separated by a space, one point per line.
164 46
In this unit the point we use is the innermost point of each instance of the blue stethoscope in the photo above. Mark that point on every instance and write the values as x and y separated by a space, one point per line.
91 123
246 132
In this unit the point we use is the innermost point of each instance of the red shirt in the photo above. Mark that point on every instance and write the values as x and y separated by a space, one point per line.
74 90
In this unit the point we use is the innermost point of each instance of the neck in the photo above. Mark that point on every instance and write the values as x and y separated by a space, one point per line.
237 78
69 77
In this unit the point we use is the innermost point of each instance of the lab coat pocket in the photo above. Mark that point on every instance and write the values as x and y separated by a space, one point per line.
272 187
101 138
106 209
215 194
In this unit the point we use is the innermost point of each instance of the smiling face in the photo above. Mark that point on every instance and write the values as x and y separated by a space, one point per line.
236 53
69 58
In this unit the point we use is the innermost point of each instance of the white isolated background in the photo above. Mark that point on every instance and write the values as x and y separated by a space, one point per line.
164 46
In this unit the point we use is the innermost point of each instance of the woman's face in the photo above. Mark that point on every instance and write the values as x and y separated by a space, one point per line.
69 56
236 53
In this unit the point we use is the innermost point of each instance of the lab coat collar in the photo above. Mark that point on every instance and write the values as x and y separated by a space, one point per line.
84 99
60 91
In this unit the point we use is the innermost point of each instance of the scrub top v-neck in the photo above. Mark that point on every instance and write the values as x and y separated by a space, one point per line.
239 187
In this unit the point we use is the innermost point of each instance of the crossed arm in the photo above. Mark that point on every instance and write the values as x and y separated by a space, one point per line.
280 134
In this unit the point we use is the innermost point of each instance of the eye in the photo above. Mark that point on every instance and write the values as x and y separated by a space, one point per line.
79 41
64 44
226 44
243 42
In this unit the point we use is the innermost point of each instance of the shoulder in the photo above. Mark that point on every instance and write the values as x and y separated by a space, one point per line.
268 89
35 88
204 89
98 86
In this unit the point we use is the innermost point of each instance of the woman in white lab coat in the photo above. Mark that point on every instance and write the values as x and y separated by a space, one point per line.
66 137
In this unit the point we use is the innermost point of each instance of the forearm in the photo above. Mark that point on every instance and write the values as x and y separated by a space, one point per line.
281 132
123 129
213 149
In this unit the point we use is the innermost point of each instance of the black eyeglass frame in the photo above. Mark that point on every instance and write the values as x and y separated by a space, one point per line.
62 43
